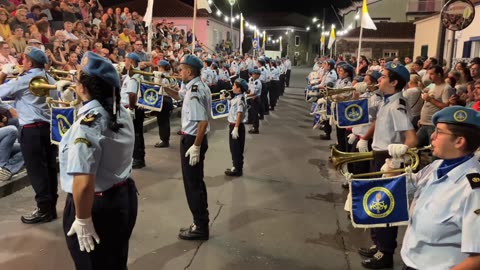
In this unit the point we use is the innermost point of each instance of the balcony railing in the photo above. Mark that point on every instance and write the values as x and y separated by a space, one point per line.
424 6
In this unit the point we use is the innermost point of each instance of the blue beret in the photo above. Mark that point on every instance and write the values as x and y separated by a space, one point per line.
331 62
135 57
243 84
261 60
163 63
214 65
457 115
209 61
375 75
192 61
36 54
347 67
255 71
95 65
401 70
227 66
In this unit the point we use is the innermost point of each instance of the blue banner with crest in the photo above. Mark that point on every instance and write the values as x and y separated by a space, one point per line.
378 202
150 97
352 113
220 108
62 119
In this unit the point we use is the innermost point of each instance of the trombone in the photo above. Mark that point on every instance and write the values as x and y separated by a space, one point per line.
226 94
340 158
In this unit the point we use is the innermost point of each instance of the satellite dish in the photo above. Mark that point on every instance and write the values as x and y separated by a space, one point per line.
457 14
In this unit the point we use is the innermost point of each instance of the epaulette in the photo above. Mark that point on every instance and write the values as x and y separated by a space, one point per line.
403 104
256 82
90 118
195 88
474 179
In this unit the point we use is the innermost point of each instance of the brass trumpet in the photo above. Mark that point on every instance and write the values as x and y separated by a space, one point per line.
172 81
330 92
60 74
40 87
342 158
227 94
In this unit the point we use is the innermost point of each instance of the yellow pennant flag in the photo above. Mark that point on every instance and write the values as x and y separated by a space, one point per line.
367 22
264 39
322 41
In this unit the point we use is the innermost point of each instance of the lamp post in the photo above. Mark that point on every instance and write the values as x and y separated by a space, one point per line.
232 2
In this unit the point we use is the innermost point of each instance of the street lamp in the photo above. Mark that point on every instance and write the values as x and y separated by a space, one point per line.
232 2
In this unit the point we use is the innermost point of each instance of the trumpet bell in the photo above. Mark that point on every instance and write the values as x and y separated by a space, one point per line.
339 158
40 87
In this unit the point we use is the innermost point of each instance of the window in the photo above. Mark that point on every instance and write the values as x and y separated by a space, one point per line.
424 51
297 40
390 53
467 48
475 48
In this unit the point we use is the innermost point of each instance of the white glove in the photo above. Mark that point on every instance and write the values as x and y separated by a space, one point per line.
62 84
389 165
234 133
157 74
85 233
222 96
321 101
323 115
67 95
362 145
194 153
9 69
131 112
73 72
397 150
351 138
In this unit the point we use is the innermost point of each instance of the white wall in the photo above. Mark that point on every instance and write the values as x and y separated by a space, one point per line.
218 32
426 33
471 31
393 9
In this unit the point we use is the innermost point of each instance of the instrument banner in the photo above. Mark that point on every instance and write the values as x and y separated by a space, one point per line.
378 202
352 113
220 108
62 119
150 97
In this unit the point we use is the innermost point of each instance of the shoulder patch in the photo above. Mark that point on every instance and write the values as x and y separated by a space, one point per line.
256 82
89 119
83 140
474 179
477 212
195 88
402 101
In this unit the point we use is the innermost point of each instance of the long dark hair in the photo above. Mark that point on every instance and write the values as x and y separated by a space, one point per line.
102 91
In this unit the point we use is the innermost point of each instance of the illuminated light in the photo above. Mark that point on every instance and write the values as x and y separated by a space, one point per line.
226 18
308 28
219 13
314 19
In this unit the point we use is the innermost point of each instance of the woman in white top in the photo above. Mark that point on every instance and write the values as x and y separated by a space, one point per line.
413 95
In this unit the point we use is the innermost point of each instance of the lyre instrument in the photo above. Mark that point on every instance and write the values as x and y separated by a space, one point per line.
339 159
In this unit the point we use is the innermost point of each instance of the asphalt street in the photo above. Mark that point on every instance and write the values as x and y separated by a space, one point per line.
285 213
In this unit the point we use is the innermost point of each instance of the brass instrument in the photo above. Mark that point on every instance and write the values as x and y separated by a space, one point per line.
227 93
40 87
58 74
330 92
342 158
172 81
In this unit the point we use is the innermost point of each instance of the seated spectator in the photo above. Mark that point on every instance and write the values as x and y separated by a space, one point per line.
34 14
5 57
72 63
11 159
20 19
68 31
476 93
5 31
469 96
114 57
17 41
125 35
57 55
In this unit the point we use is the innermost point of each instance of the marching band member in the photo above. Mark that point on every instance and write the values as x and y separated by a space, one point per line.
224 78
236 119
128 92
254 94
95 166
392 126
275 85
163 117
329 79
264 95
197 103
445 212
34 119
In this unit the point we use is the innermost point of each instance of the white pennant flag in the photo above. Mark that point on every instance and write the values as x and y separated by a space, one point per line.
367 22
203 4
149 14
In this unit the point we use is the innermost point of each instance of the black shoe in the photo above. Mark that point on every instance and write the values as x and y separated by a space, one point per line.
138 164
186 228
234 172
38 216
368 252
248 123
266 113
261 118
162 145
272 109
194 233
325 137
379 261
253 131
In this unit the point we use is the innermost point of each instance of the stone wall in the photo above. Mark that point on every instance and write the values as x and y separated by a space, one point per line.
375 49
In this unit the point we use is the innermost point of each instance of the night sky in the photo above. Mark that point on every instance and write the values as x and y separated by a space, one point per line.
252 8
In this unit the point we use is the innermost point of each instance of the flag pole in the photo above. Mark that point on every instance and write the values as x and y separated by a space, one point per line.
359 47
193 25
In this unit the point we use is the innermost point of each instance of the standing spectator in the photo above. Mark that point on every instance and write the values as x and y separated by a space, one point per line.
189 36
475 71
414 101
84 8
5 31
436 97
109 19
430 62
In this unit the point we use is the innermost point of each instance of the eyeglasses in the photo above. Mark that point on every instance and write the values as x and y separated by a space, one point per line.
437 131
